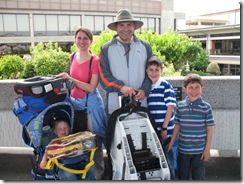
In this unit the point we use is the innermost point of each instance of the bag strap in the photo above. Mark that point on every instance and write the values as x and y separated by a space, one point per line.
89 71
70 62
89 77
72 57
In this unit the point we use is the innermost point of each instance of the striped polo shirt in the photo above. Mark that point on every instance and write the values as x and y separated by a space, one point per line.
161 96
193 118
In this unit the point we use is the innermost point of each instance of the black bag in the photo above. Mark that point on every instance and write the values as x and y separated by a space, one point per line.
80 121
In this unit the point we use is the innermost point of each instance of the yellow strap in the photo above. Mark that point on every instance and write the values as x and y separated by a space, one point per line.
52 161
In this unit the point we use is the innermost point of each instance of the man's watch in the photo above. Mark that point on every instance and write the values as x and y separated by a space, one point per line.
164 128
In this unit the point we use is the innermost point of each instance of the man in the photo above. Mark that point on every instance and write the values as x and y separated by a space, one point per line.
122 62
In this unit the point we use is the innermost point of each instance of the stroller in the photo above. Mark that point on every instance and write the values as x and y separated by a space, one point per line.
36 109
134 149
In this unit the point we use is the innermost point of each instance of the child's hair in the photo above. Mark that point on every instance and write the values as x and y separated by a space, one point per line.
154 61
57 121
192 78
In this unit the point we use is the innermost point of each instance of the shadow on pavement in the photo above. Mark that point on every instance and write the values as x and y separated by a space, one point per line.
17 167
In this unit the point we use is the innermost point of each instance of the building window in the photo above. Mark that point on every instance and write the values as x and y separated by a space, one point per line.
144 28
207 23
1 25
75 22
99 27
107 20
151 24
89 23
14 25
63 25
23 26
192 24
10 25
225 34
39 25
235 69
56 25
52 25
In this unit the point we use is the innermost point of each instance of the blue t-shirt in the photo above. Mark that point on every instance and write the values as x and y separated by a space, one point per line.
193 118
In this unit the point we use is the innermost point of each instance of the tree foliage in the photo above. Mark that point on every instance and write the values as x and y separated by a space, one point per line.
49 59
104 37
176 49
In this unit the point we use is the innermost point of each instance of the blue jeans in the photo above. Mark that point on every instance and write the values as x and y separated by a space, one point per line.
175 151
170 159
64 175
191 164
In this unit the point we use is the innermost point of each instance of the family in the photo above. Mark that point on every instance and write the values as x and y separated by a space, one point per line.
126 66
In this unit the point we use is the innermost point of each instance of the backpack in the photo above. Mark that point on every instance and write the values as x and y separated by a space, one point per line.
28 107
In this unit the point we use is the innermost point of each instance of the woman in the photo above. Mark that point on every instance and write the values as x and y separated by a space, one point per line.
79 74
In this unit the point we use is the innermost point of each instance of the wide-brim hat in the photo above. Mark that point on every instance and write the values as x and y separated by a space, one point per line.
125 15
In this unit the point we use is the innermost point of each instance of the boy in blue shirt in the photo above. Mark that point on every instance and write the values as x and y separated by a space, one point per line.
194 123
161 103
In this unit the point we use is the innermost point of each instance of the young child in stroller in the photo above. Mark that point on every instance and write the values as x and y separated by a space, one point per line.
61 128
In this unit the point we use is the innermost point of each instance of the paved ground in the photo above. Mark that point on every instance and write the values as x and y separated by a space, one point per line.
17 167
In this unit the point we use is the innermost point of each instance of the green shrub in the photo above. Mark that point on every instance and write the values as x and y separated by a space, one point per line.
213 69
170 71
201 73
172 48
104 37
49 64
49 59
29 69
11 67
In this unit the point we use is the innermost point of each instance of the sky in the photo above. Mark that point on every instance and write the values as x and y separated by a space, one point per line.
199 7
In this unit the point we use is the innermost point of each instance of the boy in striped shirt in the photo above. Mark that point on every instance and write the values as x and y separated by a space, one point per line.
161 103
194 123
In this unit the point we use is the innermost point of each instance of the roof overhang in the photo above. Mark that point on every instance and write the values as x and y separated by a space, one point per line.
211 30
233 60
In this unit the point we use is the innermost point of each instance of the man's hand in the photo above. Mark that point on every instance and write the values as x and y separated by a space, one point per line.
128 91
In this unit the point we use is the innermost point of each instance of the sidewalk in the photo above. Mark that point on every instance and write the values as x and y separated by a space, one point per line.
16 165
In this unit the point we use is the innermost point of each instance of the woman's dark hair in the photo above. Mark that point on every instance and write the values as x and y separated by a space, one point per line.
86 31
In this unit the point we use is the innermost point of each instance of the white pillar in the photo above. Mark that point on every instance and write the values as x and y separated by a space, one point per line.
167 15
31 29
208 44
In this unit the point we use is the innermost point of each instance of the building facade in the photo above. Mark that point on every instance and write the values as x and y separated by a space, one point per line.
220 34
24 23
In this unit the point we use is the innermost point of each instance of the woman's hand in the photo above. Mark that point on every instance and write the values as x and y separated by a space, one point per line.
63 75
